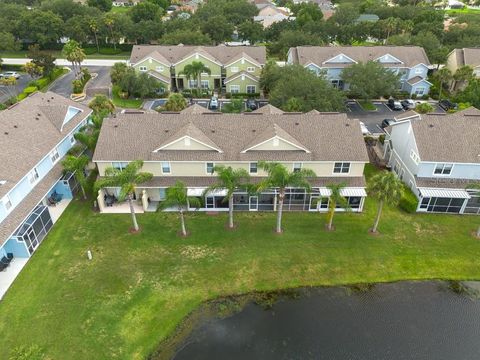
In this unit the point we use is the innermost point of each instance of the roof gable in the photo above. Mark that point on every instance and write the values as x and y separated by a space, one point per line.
388 59
340 59
190 138
276 139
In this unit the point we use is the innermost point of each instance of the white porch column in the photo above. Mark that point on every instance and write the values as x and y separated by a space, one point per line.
100 201
144 200
362 201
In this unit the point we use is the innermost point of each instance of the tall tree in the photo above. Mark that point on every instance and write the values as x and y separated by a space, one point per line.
88 135
103 5
370 80
76 165
231 180
251 31
443 76
387 188
335 198
461 76
41 59
93 26
177 197
127 179
194 71
101 104
74 53
280 177
33 69
175 102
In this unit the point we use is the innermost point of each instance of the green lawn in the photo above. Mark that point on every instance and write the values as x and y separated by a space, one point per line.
454 12
367 105
125 103
139 287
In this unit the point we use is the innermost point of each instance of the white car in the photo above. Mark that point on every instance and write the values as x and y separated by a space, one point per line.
364 129
10 74
213 103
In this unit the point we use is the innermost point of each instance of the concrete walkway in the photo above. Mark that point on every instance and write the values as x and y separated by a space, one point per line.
64 62
8 275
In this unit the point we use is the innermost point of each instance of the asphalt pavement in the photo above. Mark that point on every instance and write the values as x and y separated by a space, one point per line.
63 86
153 104
7 93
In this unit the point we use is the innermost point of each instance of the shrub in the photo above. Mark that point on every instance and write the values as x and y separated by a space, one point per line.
110 51
424 108
381 138
3 106
241 95
408 201
30 89
414 96
42 83
77 86
21 96
425 97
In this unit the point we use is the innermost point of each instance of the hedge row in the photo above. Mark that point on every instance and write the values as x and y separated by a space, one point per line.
409 201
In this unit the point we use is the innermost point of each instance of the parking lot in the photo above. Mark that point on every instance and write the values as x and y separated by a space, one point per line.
6 92
152 105
373 119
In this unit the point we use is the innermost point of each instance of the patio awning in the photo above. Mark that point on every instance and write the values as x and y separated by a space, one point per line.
199 192
444 193
345 192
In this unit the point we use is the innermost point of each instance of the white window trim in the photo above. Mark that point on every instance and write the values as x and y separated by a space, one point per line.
121 166
7 200
254 89
54 156
203 82
414 157
251 69
142 68
236 87
443 168
72 140
204 74
234 69
159 68
341 167
192 83
293 166
33 176
169 167
213 168
250 167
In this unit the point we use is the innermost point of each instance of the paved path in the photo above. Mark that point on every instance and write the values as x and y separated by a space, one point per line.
63 86
64 62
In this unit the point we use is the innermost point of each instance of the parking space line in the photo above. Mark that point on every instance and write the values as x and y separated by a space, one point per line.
388 107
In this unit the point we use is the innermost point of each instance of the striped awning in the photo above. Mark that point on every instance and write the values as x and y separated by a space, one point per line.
444 193
345 192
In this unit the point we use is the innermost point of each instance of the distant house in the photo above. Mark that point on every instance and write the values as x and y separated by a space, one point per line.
269 14
120 3
35 135
466 56
411 62
188 145
234 69
426 152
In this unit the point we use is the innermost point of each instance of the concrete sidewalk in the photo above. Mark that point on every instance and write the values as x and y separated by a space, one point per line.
64 62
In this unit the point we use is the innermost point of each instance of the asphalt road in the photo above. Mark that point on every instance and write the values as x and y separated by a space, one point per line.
373 119
63 86
6 93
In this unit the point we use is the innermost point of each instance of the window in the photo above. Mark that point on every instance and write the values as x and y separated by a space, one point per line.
72 140
234 89
192 83
251 69
234 69
420 90
119 165
7 202
163 193
210 167
54 156
251 89
166 168
341 167
205 84
142 68
253 168
159 68
297 167
204 74
443 169
415 157
33 176
418 70
338 84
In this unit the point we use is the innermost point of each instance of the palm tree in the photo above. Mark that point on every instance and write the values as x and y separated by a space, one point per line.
443 75
110 22
88 135
335 198
175 102
127 179
391 25
194 71
76 165
177 196
75 54
231 180
279 177
463 74
94 29
386 187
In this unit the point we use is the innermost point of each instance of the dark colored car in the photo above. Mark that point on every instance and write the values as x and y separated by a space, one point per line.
408 104
394 104
387 122
446 105
251 104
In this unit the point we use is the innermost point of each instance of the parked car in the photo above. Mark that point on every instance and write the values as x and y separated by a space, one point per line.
394 104
251 104
364 129
408 104
446 105
213 105
387 122
10 74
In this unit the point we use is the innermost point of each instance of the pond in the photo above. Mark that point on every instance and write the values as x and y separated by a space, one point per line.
405 320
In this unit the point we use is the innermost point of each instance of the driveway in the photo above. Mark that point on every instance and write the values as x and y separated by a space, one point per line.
6 93
63 86
153 104
373 119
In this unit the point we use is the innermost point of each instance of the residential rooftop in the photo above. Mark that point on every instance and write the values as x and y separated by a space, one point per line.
468 56
32 128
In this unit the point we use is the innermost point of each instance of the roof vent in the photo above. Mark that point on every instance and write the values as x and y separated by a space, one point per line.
15 126
115 126
166 130
254 130
48 100
297 123
38 114
213 131
6 132
52 98
37 118
347 125
430 125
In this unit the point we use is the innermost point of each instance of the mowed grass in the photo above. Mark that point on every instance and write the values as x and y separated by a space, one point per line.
139 287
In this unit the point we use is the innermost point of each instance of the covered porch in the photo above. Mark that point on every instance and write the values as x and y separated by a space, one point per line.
452 201
108 202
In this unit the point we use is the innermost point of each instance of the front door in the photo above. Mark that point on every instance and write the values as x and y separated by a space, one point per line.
253 205
180 84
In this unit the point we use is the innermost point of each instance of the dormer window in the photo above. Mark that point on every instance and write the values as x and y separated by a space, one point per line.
33 176
443 169
251 69
210 168
166 169
54 156
159 68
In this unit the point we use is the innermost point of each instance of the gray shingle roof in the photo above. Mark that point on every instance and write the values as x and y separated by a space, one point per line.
409 55
448 138
471 56
195 109
29 130
223 54
268 109
329 137
444 183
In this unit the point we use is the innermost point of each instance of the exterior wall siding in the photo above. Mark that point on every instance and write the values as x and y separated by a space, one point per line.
243 83
459 171
215 69
243 65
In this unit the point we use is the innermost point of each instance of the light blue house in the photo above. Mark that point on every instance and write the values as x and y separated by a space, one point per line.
438 157
35 135
411 62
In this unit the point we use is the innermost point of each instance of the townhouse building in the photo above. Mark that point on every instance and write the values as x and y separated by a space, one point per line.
233 69
35 135
438 157
411 62
187 146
